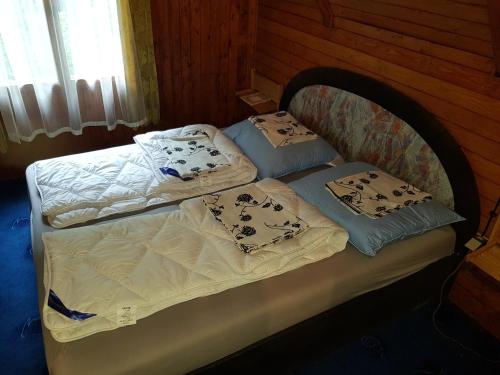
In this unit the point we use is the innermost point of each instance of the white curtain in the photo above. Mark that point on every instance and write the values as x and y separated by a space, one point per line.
62 67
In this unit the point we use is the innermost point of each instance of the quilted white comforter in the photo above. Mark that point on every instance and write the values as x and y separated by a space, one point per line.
149 262
82 187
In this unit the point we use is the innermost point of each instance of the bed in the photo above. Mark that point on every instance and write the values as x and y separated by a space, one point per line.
273 324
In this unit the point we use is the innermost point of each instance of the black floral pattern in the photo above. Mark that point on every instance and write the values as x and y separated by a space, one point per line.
215 211
282 129
195 132
249 215
247 230
244 198
194 152
385 196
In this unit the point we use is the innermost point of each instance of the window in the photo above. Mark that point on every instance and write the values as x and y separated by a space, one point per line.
40 41
62 67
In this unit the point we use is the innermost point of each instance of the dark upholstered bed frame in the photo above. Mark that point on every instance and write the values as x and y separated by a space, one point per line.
286 349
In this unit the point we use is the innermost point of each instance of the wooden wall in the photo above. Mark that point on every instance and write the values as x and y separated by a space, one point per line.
438 52
204 53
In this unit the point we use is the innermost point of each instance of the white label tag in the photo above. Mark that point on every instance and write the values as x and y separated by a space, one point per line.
204 180
126 315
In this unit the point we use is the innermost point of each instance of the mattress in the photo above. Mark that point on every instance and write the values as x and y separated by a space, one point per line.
197 332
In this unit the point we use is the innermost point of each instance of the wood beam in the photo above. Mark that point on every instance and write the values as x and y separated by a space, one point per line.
326 12
494 14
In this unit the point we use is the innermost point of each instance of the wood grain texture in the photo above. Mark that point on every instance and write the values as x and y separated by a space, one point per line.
204 53
440 57
326 12
494 18
478 296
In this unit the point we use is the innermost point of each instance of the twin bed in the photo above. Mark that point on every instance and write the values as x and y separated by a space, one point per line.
266 323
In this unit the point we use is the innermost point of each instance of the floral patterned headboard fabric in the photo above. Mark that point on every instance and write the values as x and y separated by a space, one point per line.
362 130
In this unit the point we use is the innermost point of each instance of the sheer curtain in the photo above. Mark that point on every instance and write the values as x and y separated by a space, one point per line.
66 64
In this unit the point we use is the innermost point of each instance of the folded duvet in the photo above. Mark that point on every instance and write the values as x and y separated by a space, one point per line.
78 188
109 275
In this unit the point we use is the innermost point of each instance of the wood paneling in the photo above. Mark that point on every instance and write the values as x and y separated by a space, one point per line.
477 293
326 12
494 17
438 52
204 54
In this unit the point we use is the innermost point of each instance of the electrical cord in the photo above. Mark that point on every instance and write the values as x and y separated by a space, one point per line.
438 330
493 214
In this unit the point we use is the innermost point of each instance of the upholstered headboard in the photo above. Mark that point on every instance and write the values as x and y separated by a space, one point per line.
366 120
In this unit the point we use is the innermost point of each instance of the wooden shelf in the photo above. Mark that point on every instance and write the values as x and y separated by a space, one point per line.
267 94
260 107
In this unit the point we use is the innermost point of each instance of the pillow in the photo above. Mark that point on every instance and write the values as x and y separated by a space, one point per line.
277 162
366 234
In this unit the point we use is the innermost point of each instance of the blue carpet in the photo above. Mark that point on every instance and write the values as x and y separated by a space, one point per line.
20 333
409 345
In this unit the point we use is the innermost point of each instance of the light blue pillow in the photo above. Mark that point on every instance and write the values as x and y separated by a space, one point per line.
280 161
366 234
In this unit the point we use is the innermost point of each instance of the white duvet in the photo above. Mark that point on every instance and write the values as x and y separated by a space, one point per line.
82 187
150 262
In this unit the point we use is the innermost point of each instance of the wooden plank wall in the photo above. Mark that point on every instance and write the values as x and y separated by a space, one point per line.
438 52
204 52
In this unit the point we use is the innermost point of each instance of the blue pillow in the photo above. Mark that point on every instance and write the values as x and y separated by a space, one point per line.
366 234
277 162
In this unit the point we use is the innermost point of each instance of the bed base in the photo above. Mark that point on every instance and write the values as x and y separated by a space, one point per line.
288 349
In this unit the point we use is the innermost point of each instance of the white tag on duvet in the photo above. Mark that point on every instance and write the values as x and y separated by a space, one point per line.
126 315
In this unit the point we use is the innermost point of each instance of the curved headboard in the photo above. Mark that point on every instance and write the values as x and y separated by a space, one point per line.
366 120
